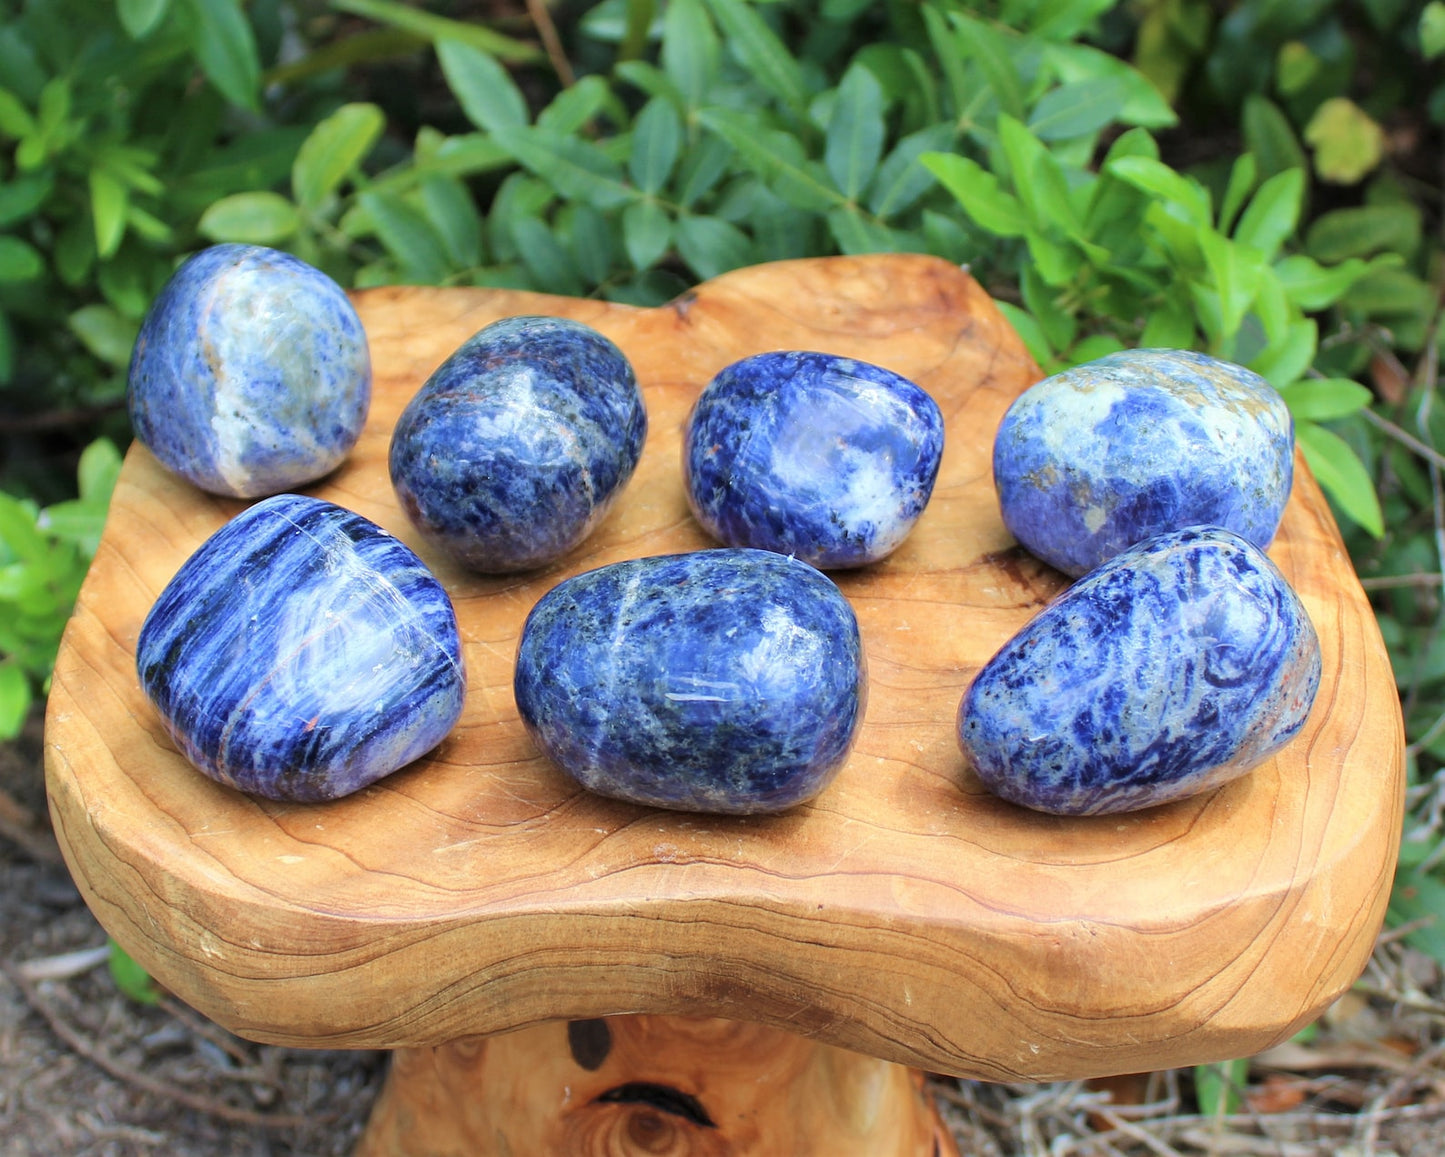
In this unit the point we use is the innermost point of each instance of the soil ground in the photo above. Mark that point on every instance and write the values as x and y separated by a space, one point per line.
87 1072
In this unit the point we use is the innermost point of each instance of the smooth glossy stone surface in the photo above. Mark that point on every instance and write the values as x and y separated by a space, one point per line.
822 457
251 374
1142 442
302 653
721 681
518 445
1173 668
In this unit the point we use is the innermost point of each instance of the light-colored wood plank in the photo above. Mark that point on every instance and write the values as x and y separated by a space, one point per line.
904 913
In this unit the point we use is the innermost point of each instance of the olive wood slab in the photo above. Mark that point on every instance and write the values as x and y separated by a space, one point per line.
904 913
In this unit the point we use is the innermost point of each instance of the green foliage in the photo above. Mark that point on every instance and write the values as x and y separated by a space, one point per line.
130 978
44 555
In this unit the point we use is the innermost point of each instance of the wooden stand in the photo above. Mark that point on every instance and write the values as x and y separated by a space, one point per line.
638 1086
904 914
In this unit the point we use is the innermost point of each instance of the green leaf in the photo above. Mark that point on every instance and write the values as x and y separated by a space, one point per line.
1159 179
1268 135
19 533
1029 330
226 48
1272 215
1432 30
1242 176
1283 362
765 57
646 233
590 241
15 118
1094 347
408 237
439 29
1170 326
99 468
1296 67
856 234
1311 286
7 350
950 54
855 132
1059 327
1077 109
334 148
483 88
991 52
14 700
138 17
1390 291
250 218
133 981
545 258
711 246
104 333
777 157
453 214
1218 1087
979 194
574 106
1143 103
902 180
1038 178
19 261
1342 475
656 142
1419 898
1065 19
1325 399
1365 229
702 167
108 201
1348 142
578 170
690 49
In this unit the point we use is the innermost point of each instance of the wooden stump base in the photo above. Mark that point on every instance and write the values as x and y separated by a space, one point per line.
650 1086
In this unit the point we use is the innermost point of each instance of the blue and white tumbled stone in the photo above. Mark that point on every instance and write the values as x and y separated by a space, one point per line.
302 653
1173 668
518 445
822 457
723 681
251 373
1142 442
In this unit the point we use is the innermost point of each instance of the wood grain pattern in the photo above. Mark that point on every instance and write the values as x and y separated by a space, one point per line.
905 913
760 1092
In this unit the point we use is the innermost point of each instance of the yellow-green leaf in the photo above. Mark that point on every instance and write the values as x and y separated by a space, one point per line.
1348 143
250 218
334 148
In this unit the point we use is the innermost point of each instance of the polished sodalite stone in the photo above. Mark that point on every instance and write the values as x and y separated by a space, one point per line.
302 653
517 446
251 374
1107 454
821 457
1173 668
722 681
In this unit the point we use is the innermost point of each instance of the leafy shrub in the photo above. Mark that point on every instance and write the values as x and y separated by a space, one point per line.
1247 178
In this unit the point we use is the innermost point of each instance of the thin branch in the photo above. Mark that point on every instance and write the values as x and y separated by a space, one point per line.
102 1059
547 30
